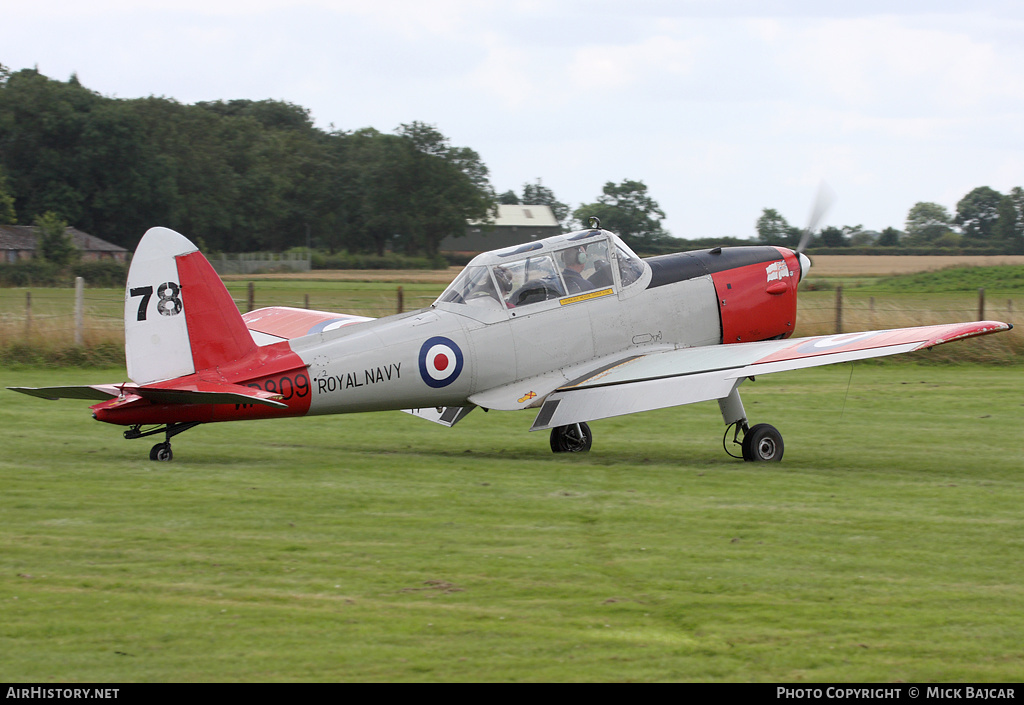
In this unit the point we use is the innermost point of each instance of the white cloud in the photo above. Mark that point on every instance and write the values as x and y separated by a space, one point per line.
887 63
721 107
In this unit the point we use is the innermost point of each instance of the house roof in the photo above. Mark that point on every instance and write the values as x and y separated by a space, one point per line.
526 216
23 237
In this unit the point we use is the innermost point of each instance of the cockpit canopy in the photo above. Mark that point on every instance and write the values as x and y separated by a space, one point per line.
553 268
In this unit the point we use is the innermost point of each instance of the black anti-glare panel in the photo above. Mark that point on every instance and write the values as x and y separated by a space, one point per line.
668 269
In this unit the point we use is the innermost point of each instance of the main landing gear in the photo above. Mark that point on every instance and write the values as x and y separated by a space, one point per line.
161 451
574 438
759 443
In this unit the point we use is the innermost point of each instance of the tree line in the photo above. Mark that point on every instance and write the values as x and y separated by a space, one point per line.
240 175
244 175
985 222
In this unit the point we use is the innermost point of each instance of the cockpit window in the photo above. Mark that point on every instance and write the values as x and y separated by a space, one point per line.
521 276
631 267
585 267
530 281
473 286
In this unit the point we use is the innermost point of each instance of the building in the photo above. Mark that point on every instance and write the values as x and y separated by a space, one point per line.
18 242
513 225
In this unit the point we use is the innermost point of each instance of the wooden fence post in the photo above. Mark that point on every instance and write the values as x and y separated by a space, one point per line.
307 302
981 304
28 315
401 300
79 310
252 297
839 308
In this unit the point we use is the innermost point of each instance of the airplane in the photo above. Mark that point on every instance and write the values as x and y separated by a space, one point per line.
575 327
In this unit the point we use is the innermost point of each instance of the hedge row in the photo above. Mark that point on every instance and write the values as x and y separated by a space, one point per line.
106 273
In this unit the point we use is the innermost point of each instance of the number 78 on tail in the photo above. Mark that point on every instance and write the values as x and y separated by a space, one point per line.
570 329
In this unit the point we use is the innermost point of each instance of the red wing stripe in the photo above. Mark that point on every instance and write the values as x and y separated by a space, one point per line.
925 336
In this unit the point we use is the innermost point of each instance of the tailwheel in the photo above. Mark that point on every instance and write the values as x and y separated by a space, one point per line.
763 443
574 438
161 451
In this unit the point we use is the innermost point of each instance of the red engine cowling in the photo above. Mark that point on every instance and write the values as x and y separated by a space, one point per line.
758 301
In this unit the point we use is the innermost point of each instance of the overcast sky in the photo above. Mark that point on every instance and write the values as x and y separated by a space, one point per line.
721 107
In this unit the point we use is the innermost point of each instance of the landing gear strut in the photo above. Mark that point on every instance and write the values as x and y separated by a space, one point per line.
161 451
759 443
574 438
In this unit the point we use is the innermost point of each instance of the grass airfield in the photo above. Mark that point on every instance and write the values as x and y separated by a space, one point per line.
887 546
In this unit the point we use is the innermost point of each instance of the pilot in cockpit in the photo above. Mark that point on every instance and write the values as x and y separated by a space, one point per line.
575 260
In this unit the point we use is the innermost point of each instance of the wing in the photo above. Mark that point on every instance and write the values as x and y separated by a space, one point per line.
532 391
276 323
690 375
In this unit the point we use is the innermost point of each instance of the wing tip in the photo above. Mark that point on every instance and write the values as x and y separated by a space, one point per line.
970 330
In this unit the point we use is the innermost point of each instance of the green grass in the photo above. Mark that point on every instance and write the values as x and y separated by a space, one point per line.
379 547
362 298
1003 278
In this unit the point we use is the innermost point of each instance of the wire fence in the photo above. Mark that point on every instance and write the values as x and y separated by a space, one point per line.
47 317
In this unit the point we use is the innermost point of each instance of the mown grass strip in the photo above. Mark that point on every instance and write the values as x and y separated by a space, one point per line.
382 547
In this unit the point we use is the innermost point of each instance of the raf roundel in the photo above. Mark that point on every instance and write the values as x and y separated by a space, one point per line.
440 362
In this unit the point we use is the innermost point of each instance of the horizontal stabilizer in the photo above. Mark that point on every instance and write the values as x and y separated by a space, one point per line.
201 393
207 393
94 392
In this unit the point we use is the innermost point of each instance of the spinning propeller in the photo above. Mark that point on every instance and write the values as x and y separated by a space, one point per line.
822 202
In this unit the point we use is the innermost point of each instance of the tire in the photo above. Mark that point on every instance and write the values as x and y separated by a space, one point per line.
763 444
161 452
566 439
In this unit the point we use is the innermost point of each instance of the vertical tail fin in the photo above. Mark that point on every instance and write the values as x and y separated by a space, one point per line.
178 317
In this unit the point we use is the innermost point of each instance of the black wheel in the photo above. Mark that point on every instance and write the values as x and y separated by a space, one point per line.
161 451
574 438
763 443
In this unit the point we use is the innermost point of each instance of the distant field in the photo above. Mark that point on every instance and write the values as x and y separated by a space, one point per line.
379 547
885 265
823 266
441 277
870 300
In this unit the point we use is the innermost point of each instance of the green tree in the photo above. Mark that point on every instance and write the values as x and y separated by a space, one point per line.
53 241
377 186
1009 228
927 222
627 209
773 229
890 237
448 187
509 198
7 212
978 212
41 123
834 237
539 194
